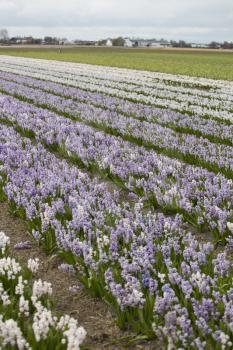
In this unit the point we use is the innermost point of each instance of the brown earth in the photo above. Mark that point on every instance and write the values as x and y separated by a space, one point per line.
188 49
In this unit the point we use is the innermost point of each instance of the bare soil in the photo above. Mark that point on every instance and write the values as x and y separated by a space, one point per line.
93 314
39 46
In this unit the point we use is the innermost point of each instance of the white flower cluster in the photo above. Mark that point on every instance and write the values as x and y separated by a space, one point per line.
187 94
33 313
9 268
41 288
11 334
4 241
33 265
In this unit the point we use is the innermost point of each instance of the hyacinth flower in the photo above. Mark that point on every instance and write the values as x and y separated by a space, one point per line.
192 149
26 319
189 95
155 274
210 128
201 196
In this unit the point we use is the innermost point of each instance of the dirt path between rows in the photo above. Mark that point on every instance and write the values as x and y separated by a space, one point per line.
94 315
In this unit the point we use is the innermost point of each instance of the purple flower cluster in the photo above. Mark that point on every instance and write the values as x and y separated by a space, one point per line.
185 94
166 117
205 197
163 138
23 245
144 261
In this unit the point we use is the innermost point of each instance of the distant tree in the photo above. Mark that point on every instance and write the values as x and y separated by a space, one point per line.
36 41
182 43
4 35
118 41
227 45
50 40
213 45
102 42
174 43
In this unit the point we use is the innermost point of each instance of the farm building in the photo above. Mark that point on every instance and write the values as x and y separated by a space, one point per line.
109 42
128 42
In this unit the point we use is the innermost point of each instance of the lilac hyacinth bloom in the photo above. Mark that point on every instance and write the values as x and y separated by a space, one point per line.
158 90
171 183
23 245
67 268
221 264
161 136
152 114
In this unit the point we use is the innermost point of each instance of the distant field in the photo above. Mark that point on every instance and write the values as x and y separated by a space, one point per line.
209 64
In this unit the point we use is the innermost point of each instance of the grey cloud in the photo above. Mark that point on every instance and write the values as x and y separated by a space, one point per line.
212 17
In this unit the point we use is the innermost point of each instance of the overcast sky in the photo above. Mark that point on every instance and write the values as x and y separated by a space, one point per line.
193 20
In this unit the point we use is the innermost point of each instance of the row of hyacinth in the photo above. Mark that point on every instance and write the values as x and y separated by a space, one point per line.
193 149
151 79
161 91
115 74
210 94
207 127
201 105
204 198
26 318
154 273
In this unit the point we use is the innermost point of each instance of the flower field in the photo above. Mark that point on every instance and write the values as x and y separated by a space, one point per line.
127 176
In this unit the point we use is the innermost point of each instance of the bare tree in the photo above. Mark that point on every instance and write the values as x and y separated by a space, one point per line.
4 35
